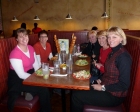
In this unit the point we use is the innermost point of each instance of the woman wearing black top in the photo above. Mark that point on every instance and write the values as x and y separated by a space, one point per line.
112 89
93 47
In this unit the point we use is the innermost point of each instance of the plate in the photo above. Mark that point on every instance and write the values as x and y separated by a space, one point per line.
83 56
39 72
81 62
82 75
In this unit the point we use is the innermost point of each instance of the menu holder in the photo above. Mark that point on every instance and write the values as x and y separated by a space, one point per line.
64 45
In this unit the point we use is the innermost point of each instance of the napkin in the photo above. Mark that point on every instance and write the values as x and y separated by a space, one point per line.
58 75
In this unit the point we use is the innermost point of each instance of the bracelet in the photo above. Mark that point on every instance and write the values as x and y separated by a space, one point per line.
103 88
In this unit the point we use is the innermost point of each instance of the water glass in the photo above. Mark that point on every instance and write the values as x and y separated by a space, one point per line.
45 70
56 66
69 64
56 63
45 66
46 76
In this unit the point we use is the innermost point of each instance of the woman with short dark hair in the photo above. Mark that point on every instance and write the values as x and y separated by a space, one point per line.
43 48
23 63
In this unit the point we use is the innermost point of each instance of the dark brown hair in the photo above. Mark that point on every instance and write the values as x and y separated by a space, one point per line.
42 32
20 30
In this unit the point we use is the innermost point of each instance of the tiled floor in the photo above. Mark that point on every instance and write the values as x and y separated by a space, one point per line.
57 104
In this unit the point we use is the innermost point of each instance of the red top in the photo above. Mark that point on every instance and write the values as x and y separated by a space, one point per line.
44 53
37 30
103 56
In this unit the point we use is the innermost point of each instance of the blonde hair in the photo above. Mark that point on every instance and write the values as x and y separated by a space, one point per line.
118 31
102 33
91 32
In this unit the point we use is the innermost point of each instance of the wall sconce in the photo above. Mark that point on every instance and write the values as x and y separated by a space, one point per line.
14 19
68 16
104 15
36 18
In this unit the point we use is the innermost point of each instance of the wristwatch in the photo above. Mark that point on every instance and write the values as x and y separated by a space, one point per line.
103 88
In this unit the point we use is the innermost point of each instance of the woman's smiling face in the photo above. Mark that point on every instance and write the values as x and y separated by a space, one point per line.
92 38
43 38
102 40
114 39
22 39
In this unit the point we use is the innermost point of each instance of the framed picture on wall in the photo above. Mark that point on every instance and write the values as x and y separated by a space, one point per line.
64 45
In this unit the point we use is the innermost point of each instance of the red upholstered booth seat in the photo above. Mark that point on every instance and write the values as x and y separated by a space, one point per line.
132 101
88 108
21 105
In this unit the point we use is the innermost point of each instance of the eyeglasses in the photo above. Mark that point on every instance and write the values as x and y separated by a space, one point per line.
43 36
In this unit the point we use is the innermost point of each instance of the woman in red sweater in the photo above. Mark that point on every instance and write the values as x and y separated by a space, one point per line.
104 51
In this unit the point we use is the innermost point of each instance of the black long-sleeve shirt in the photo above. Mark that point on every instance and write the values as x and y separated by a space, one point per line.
123 63
92 49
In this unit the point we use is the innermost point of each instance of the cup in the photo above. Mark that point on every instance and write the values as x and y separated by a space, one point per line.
56 67
69 64
45 66
45 70
46 76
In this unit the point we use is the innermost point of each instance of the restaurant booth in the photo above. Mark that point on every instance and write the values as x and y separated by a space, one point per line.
131 104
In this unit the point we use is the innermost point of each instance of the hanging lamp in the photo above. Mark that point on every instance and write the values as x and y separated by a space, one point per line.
36 18
68 16
14 19
104 15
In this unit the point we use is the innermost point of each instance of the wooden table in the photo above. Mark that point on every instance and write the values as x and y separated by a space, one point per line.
65 82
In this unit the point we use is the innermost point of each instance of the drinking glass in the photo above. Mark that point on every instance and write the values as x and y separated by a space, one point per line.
69 64
45 66
45 70
56 66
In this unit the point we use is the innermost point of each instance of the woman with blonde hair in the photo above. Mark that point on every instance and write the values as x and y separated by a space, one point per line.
104 51
112 89
97 69
93 47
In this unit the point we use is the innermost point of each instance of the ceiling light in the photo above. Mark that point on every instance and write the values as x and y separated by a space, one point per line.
14 19
68 16
36 18
104 15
